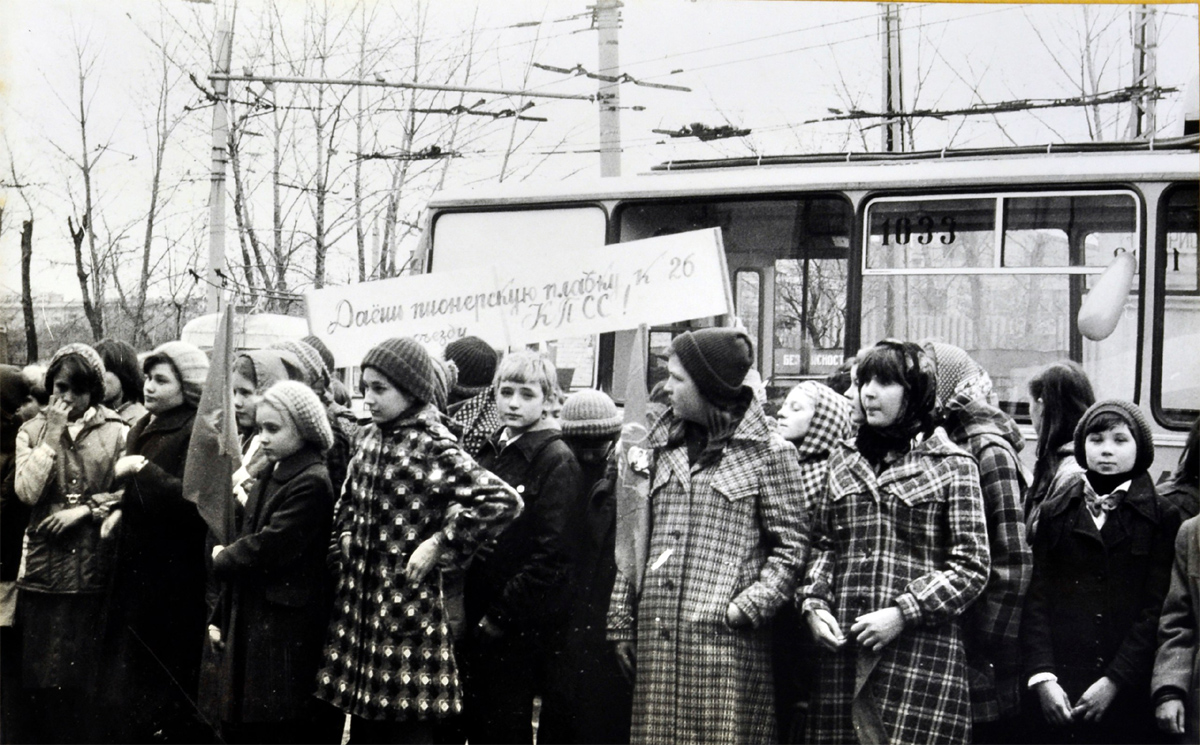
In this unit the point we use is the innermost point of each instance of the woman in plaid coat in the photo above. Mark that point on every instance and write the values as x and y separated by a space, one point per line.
899 551
726 542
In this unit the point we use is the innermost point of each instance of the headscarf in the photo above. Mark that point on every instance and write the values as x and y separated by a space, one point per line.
957 372
271 366
830 424
919 381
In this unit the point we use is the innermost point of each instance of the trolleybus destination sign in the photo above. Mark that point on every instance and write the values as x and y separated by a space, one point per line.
531 298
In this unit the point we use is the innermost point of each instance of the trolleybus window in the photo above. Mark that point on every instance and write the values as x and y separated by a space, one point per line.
1176 389
789 261
1002 277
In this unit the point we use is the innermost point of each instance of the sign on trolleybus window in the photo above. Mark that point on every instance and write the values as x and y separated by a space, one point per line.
531 298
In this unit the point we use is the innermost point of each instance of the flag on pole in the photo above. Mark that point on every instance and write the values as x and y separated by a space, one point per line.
214 453
633 470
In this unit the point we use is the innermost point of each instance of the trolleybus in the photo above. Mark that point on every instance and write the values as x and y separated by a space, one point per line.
993 251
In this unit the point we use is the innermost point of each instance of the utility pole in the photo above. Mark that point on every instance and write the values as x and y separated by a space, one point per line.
893 89
607 16
1142 120
220 141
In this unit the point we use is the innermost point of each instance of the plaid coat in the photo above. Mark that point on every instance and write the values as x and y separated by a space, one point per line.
728 532
388 655
913 536
991 625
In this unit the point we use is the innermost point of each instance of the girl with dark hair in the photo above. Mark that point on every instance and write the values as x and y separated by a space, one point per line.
155 615
66 458
1059 394
122 379
899 551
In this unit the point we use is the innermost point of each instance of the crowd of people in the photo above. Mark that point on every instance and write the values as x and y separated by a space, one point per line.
869 561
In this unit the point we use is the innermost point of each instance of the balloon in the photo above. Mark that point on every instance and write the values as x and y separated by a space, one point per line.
1101 309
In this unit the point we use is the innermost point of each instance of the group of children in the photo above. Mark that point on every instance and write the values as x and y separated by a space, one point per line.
866 567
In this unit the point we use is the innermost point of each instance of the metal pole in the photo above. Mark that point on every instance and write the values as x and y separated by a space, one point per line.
893 127
381 83
608 97
216 198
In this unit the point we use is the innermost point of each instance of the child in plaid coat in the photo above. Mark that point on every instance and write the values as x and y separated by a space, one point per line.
899 551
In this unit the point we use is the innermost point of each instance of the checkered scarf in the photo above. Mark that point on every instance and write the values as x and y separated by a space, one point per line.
830 424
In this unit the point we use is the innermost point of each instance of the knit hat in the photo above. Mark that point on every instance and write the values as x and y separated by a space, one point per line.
717 359
1138 426
956 370
304 408
590 413
407 364
310 361
189 361
90 357
326 355
476 362
14 389
446 376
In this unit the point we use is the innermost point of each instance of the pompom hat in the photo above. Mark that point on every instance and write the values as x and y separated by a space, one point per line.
717 359
1138 427
189 361
590 413
305 410
407 364
476 361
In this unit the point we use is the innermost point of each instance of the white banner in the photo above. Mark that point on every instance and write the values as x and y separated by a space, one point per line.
531 299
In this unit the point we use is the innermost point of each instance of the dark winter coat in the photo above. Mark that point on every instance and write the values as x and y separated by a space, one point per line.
521 579
279 592
1093 605
388 653
725 532
991 625
1060 468
1177 663
914 537
154 612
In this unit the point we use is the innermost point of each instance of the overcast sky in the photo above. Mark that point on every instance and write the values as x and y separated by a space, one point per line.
770 67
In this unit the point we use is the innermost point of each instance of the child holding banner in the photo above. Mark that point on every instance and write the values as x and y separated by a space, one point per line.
412 499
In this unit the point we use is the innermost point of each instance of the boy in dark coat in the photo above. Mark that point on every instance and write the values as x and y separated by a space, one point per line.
280 585
1102 562
517 587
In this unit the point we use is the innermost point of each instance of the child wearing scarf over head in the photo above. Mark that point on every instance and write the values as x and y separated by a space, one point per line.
1101 566
814 418
899 551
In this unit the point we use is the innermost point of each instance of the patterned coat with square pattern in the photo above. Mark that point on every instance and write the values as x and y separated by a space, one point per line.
389 654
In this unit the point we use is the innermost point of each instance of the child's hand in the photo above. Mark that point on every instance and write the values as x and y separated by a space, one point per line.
627 659
128 465
56 414
110 524
345 544
214 637
216 550
877 629
61 521
735 617
825 629
1170 716
1056 707
1095 700
423 559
